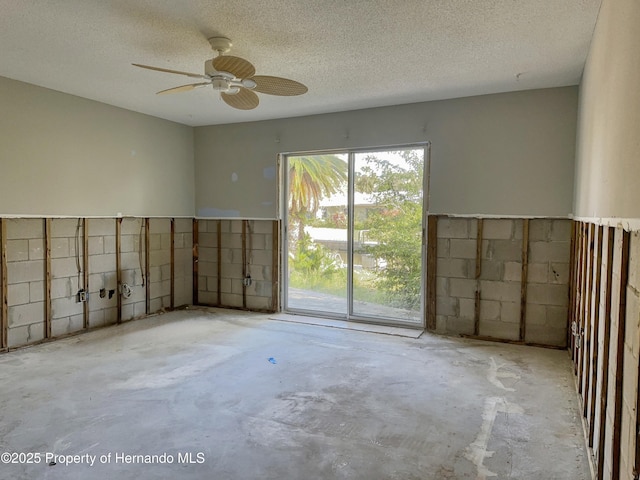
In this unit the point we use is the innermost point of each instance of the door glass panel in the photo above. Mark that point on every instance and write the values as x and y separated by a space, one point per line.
387 235
317 233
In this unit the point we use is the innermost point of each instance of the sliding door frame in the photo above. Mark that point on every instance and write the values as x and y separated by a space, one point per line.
283 213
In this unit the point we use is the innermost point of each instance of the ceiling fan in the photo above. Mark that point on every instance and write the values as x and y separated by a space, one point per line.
234 78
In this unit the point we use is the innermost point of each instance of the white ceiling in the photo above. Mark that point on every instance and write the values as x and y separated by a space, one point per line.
350 53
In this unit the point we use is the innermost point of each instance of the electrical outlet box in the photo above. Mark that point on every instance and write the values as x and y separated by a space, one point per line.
82 296
246 281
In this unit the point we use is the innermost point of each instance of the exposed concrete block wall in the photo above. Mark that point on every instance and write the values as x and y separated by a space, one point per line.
548 281
25 280
208 262
67 246
183 261
102 272
159 264
132 266
258 258
498 285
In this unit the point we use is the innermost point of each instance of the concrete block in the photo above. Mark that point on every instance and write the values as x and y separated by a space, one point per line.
452 268
24 228
442 286
225 285
59 247
139 310
497 229
102 263
560 230
208 298
233 270
96 318
25 335
231 300
236 226
165 242
539 230
512 271
36 249
96 282
65 307
467 307
109 244
632 324
535 314
64 287
154 275
549 252
63 267
26 314
504 250
36 291
157 305
441 324
96 245
473 228
17 250
510 312
154 242
236 286
65 227
261 257
501 291
17 294
557 316
464 288
132 226
128 243
546 335
559 273
231 240
259 303
537 273
447 306
491 269
178 241
165 272
542 294
518 227
489 310
462 248
159 257
262 226
457 325
208 240
59 326
127 311
29 271
159 225
99 227
443 248
225 226
503 330
207 254
183 225
453 227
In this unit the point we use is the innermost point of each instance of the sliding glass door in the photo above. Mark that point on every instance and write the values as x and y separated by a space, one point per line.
354 228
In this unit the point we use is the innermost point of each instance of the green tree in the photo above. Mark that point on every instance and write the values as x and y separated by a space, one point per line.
312 178
395 224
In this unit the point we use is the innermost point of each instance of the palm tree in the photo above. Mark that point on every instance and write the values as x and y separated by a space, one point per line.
312 178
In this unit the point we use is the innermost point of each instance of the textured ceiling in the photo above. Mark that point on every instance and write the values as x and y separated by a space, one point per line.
350 53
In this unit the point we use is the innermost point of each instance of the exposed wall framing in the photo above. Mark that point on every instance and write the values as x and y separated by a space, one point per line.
4 307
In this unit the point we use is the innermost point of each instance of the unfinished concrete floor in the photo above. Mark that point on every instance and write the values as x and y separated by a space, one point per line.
254 398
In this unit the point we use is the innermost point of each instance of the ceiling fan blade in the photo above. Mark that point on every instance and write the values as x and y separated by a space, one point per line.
240 67
166 70
278 86
243 100
183 88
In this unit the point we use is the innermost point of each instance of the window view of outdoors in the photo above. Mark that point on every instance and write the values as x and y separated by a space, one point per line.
386 235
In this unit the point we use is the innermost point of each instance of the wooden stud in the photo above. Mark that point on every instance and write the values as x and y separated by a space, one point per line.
583 289
523 279
194 254
119 270
275 266
476 315
479 249
617 413
432 261
147 242
596 337
586 352
4 305
572 284
606 339
244 263
85 270
219 266
172 294
47 278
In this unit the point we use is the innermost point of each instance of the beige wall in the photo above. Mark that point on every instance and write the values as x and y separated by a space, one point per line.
65 155
608 146
504 154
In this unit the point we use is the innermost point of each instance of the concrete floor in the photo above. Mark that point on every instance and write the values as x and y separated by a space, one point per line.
331 403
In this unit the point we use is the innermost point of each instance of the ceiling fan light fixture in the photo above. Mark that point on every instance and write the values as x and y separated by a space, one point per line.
248 83
220 84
